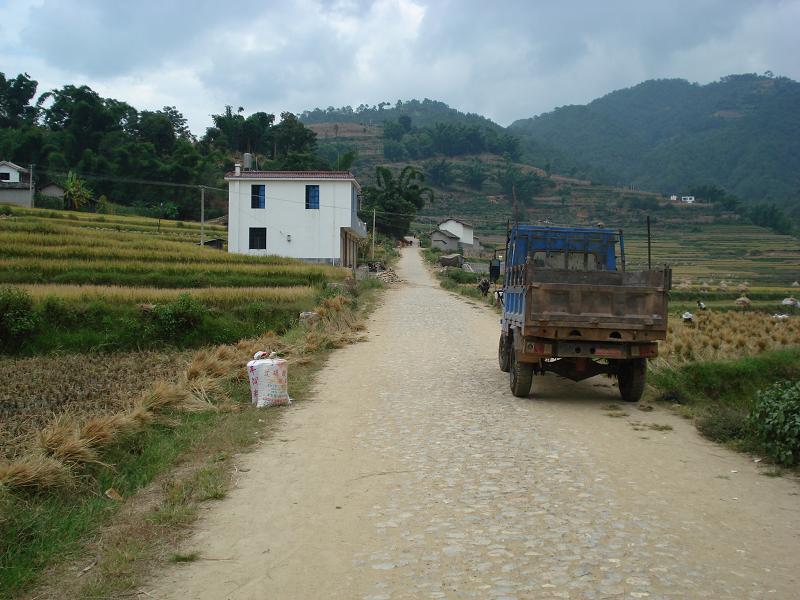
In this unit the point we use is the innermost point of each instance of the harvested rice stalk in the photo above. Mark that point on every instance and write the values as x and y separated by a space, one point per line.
34 471
61 440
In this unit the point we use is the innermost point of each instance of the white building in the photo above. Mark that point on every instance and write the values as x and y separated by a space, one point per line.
311 215
464 231
15 185
687 199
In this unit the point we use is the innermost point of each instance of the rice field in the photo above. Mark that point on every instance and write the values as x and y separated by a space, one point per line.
722 335
220 297
43 246
711 253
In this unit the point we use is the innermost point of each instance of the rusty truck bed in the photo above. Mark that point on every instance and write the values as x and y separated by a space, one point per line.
614 306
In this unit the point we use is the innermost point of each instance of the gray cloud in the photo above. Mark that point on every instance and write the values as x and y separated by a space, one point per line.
507 60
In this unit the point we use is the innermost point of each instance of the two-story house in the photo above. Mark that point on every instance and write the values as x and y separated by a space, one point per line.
15 184
311 215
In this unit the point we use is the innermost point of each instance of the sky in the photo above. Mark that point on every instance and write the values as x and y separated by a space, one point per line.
504 59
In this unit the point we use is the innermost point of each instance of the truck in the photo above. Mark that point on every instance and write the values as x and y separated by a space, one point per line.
571 308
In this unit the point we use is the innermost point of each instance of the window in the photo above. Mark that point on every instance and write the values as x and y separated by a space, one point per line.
258 196
576 261
258 237
312 196
5 176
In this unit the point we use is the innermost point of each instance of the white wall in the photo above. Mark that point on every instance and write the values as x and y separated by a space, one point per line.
13 174
315 233
464 233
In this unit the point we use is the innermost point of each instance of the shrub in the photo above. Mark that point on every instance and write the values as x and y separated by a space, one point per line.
17 317
175 319
5 210
775 418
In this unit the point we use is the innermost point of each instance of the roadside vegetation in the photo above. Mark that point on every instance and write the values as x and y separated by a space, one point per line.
122 353
74 459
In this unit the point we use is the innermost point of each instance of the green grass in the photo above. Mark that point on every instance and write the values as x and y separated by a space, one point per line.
100 325
719 395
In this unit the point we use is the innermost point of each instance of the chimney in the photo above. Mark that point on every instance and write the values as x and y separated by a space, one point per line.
237 169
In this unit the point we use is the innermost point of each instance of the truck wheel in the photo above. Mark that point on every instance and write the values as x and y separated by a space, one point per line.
520 375
503 355
631 376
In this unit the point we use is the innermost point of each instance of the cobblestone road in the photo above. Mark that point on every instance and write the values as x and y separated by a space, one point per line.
416 474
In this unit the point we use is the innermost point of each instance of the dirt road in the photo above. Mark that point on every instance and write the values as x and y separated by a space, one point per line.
416 474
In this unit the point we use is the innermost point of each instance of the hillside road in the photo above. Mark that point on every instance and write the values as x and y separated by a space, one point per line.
414 473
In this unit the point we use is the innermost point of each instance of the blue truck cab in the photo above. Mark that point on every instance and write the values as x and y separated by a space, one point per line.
570 307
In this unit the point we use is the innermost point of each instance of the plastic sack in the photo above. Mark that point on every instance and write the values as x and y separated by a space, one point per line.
269 379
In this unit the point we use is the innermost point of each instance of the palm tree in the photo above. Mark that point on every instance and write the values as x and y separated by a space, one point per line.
395 200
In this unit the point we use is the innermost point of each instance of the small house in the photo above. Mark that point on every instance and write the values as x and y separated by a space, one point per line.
462 230
444 240
52 190
310 215
687 199
15 185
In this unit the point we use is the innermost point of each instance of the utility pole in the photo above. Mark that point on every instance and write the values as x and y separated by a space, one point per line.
30 184
202 215
372 252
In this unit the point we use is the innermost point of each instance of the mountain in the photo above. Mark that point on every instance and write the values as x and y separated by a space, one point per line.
741 133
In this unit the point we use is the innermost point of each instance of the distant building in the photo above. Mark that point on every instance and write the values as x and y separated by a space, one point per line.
463 230
445 241
53 190
687 199
15 185
673 198
310 215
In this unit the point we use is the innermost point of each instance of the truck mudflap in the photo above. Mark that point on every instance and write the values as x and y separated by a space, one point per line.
534 350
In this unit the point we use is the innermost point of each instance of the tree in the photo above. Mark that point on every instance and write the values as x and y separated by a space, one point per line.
76 194
404 122
393 131
15 97
474 174
440 172
393 150
395 199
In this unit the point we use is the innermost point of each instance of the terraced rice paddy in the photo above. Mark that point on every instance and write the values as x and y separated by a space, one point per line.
710 253
75 248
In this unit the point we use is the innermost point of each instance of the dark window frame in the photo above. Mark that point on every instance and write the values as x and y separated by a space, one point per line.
258 195
310 202
253 239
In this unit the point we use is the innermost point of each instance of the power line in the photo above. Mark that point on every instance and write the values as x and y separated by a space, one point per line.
117 179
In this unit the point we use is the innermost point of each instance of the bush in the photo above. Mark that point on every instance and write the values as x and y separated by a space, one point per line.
17 317
775 418
176 319
5 210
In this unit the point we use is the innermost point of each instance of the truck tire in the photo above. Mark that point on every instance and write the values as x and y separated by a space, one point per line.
520 375
631 377
503 356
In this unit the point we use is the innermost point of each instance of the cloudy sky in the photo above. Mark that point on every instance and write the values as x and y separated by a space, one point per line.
506 60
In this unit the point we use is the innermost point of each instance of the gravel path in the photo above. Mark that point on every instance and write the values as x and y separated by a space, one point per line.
416 474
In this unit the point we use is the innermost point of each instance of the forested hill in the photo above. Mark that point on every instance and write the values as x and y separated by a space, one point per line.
422 113
741 133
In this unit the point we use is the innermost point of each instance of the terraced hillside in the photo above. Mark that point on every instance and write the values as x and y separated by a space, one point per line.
114 283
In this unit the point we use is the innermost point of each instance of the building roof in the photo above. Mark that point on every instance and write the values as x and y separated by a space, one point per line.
13 166
446 233
464 223
292 175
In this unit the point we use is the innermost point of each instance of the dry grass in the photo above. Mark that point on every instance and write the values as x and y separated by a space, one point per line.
217 296
72 440
34 471
726 335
